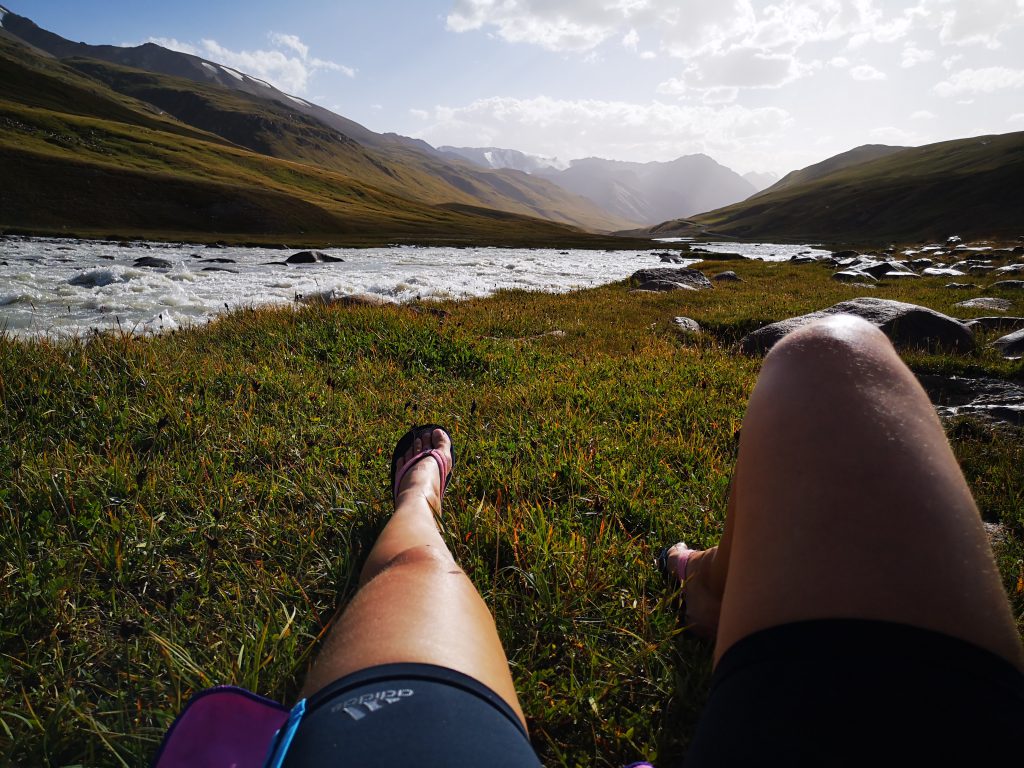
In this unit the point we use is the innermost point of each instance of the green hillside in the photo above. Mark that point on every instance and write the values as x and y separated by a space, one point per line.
78 157
970 187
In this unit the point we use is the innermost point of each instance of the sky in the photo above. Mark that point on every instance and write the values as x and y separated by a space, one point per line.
759 86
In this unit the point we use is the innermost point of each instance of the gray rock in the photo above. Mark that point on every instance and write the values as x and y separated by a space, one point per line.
979 269
853 276
988 302
802 260
943 272
906 325
686 324
729 276
1008 285
152 261
311 257
960 286
220 269
989 399
845 255
1010 269
883 268
995 323
921 263
219 261
1011 345
900 275
668 279
671 258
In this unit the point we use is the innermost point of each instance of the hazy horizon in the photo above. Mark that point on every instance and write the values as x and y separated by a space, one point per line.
757 86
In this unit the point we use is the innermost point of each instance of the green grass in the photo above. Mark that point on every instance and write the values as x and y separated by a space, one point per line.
191 509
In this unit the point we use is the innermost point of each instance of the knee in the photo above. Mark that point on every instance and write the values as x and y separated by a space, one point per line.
836 344
424 556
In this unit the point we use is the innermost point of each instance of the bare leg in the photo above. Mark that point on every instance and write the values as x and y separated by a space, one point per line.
848 503
415 604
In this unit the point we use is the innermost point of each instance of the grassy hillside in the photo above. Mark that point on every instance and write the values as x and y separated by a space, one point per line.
864 154
970 187
252 114
190 509
80 158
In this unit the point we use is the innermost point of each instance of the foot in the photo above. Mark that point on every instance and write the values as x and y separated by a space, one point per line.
423 480
702 605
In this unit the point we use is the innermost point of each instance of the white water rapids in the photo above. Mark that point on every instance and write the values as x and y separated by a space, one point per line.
61 287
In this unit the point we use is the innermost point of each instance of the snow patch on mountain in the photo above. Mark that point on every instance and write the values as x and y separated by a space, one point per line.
209 66
237 75
3 12
299 101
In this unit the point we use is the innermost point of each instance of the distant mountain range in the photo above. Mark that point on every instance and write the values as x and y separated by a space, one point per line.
646 192
342 177
968 187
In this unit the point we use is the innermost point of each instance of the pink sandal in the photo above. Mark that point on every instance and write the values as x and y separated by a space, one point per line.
425 432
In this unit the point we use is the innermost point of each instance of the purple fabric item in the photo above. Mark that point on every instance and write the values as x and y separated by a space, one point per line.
222 727
639 765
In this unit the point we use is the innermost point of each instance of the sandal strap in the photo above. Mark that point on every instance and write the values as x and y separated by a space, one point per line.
443 464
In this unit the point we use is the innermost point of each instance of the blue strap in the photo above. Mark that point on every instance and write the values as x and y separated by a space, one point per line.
283 739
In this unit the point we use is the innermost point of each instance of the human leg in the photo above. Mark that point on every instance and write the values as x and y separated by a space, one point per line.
415 604
847 503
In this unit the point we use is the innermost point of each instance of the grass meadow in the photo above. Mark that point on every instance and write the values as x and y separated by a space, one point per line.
191 509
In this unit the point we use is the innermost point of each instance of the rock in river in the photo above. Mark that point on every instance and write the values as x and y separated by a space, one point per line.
906 325
152 261
311 257
668 279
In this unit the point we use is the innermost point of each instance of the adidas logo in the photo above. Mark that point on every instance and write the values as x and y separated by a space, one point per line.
362 706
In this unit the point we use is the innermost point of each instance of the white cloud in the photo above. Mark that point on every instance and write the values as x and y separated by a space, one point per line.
648 55
985 80
951 61
420 114
631 40
1017 118
867 72
840 62
736 68
912 56
892 135
287 66
923 114
973 22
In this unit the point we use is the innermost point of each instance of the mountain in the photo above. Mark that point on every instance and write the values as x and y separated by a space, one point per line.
493 157
77 157
856 156
761 181
652 192
968 187
224 103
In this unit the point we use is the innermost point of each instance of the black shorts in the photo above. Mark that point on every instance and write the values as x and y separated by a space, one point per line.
406 715
850 692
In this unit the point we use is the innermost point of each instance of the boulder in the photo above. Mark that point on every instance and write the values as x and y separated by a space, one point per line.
1008 285
882 268
220 269
906 325
152 261
960 286
686 324
671 258
1010 269
845 255
802 260
727 277
311 257
988 302
921 263
668 279
219 261
900 275
853 276
1011 345
942 272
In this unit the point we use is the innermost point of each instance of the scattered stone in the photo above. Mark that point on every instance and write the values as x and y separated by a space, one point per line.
668 279
1010 269
220 269
727 277
900 275
152 261
906 325
686 324
853 276
106 257
879 269
1008 285
1003 323
219 261
989 399
333 299
671 258
195 255
960 286
1011 345
921 263
988 302
845 255
954 240
311 257
802 260
943 272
